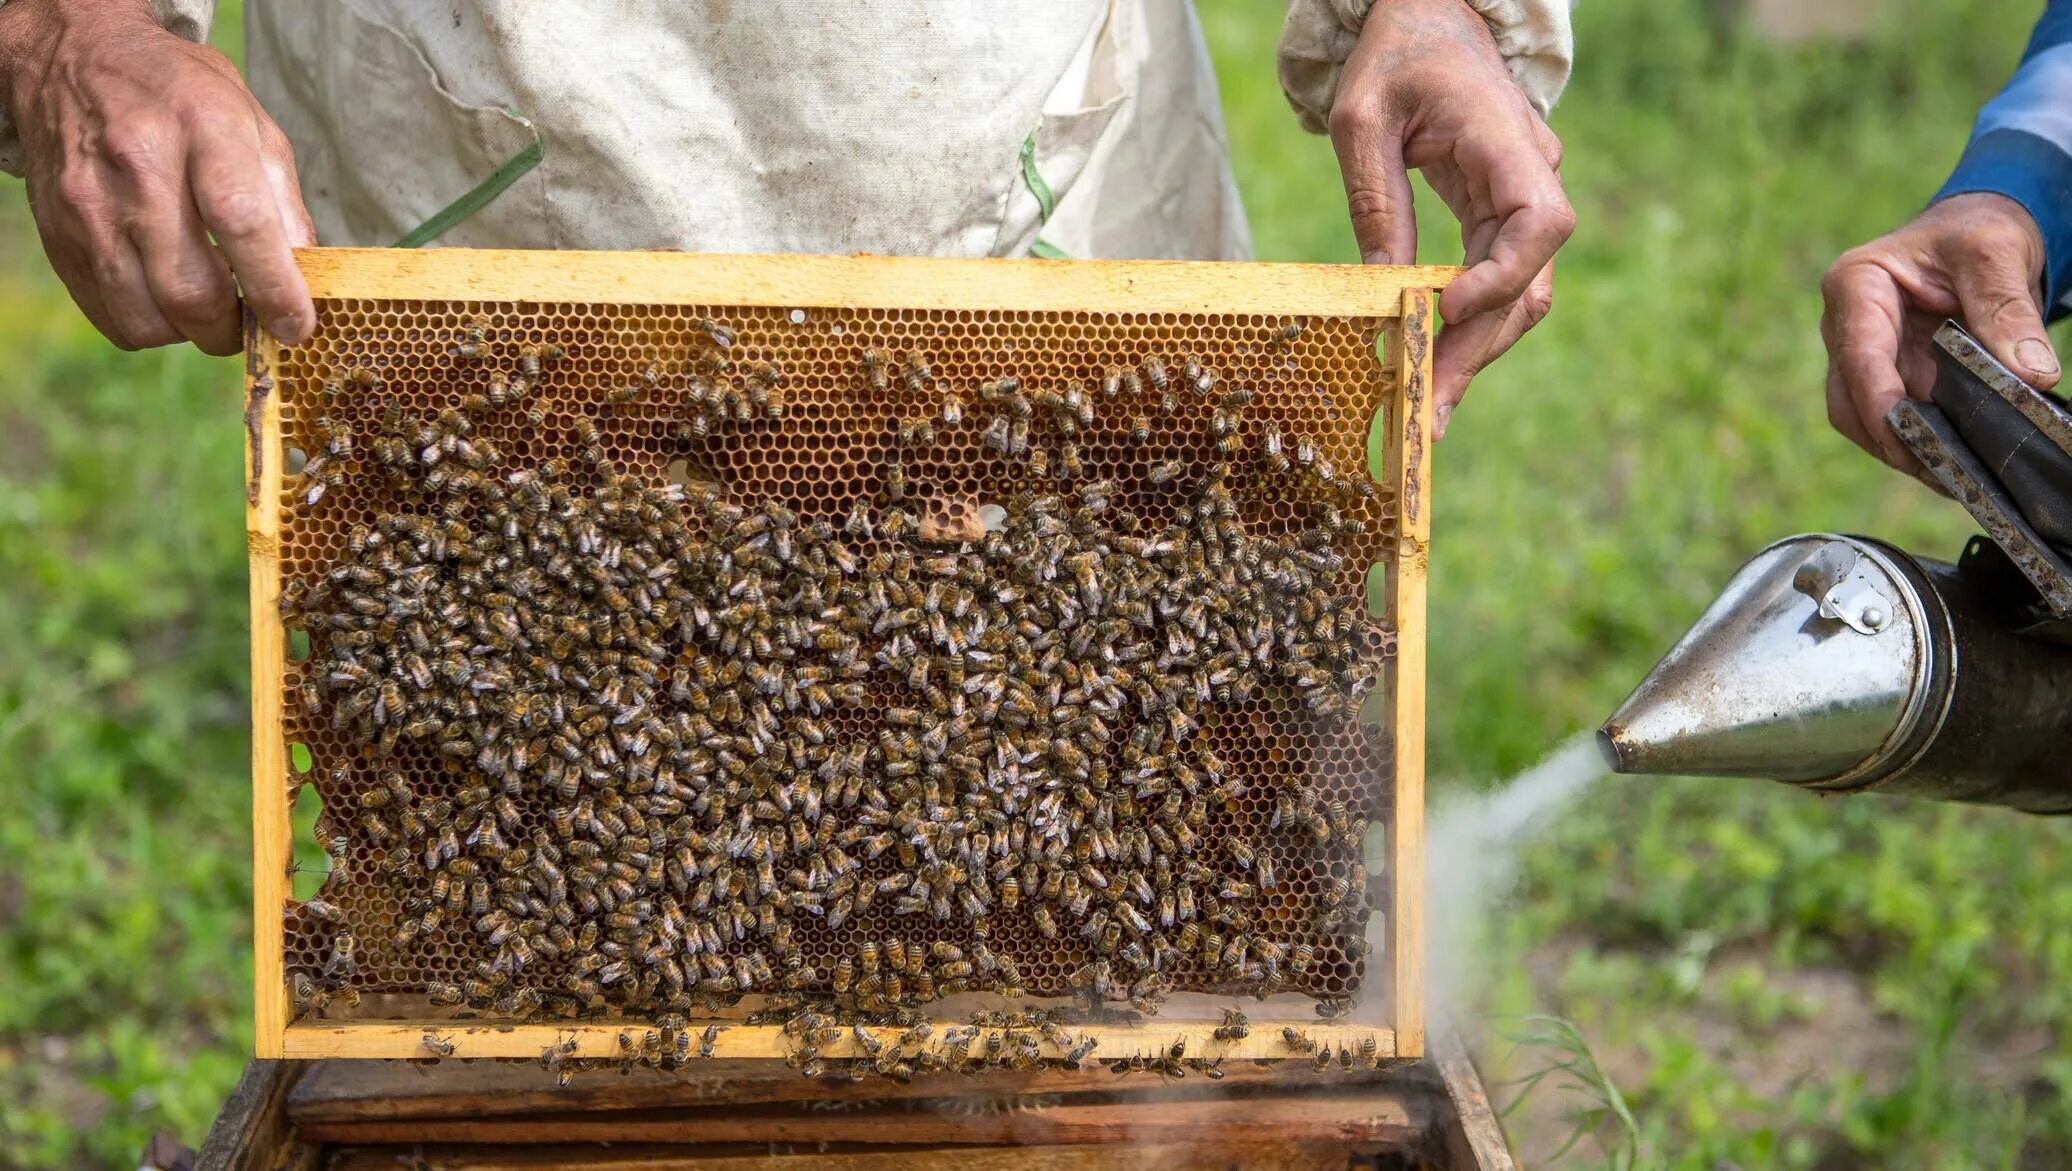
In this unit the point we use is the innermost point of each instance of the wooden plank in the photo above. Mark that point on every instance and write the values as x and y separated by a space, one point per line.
1475 1138
876 282
252 1132
1203 1116
1410 464
1264 1156
392 1038
272 848
335 1090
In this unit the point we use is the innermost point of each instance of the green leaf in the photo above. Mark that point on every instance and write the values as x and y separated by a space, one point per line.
479 197
1046 203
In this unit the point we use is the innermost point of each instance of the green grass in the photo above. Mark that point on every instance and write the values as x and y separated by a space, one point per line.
1766 979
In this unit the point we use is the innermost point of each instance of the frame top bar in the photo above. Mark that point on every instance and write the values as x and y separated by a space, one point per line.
865 282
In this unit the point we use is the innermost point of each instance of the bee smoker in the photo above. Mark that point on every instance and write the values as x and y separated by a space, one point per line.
1843 664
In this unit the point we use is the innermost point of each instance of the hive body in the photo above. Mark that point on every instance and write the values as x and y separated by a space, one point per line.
1332 357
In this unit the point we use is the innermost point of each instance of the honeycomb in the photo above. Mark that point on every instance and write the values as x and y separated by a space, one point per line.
1319 377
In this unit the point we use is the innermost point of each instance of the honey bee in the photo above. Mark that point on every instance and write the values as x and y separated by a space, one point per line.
916 372
555 1060
1298 1040
307 995
343 949
874 370
719 335
1234 1027
1155 373
436 1045
1368 1056
916 433
1289 331
324 909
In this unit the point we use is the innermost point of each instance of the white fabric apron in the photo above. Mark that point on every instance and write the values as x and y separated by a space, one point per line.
889 126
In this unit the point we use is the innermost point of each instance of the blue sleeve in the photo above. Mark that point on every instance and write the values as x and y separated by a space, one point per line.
2021 147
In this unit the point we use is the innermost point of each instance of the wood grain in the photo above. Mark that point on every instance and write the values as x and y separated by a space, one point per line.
1475 1134
344 1090
321 1038
1410 463
1259 1156
1347 1117
868 282
272 847
252 1131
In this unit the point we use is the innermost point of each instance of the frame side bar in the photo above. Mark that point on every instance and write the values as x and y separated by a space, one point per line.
271 830
1411 466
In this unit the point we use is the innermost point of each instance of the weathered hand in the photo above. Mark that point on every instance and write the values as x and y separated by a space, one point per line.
1977 257
139 147
1426 89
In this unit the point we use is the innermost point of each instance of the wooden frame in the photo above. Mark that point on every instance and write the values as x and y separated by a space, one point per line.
1406 294
295 1115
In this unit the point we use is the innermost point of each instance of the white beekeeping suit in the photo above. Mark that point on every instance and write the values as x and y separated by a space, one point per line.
889 126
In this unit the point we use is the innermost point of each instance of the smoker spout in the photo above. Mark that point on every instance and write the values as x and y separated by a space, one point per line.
1608 749
1843 664
1809 663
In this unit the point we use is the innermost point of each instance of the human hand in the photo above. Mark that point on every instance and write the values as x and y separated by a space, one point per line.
138 148
1426 89
1976 257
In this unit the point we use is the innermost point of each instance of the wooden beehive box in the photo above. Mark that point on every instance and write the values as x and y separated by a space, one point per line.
1339 354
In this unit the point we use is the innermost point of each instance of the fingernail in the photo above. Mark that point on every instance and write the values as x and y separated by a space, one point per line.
1440 414
288 328
2035 353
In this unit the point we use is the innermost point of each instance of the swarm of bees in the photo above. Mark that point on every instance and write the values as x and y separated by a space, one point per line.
673 732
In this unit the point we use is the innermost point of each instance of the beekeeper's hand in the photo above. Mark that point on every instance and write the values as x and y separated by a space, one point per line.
1976 257
153 175
1426 89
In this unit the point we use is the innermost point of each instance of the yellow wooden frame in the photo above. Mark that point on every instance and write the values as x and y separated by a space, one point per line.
1407 294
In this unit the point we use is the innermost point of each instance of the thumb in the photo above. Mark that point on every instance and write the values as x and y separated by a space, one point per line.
1998 308
1377 188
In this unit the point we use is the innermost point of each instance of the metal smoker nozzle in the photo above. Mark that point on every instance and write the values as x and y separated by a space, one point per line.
1843 664
1805 667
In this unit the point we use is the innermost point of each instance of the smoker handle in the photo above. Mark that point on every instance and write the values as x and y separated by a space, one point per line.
1996 414
2003 450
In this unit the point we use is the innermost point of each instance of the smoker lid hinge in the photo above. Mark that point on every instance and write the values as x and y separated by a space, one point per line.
1835 579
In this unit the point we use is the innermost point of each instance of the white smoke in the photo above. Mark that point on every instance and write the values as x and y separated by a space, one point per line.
1471 861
